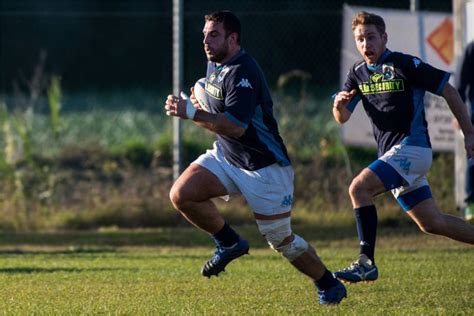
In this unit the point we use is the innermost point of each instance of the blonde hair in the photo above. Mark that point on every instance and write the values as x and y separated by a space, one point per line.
366 18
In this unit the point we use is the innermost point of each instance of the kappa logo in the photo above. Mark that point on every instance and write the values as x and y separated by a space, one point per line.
416 62
287 200
404 164
244 83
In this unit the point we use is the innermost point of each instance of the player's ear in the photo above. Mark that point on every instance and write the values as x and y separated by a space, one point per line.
233 37
385 38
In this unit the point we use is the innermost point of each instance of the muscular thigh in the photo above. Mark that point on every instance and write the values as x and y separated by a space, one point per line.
424 211
198 184
369 181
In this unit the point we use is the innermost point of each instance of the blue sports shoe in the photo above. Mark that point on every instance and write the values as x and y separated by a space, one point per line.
223 256
360 270
333 295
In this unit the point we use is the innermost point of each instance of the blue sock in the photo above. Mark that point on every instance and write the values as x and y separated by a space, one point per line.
366 221
226 237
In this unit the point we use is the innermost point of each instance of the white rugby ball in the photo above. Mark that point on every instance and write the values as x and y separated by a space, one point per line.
200 93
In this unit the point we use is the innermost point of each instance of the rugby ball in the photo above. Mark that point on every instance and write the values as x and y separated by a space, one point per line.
200 93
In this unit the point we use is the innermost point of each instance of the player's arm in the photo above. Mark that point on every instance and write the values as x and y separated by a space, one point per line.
339 109
465 75
240 86
217 123
459 109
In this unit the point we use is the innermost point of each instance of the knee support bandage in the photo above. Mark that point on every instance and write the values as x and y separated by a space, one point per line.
275 232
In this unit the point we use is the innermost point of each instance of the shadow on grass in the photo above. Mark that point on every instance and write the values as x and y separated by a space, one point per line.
30 270
71 250
79 241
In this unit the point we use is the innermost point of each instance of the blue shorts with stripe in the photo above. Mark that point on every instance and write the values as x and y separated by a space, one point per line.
403 170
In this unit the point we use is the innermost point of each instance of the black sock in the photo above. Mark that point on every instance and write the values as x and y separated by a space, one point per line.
366 220
327 281
226 237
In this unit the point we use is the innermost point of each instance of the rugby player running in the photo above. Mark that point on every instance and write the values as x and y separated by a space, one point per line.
391 86
248 158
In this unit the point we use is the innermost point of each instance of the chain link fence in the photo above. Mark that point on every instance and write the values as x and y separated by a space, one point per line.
115 45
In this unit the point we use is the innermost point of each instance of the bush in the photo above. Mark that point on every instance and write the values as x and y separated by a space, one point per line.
194 143
134 151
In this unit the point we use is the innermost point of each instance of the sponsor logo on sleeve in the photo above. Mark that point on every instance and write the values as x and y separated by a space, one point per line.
244 83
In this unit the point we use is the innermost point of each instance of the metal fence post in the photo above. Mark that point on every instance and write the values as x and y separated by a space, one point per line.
177 81
460 153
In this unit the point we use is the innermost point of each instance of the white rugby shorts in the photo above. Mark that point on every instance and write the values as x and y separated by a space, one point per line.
268 191
412 163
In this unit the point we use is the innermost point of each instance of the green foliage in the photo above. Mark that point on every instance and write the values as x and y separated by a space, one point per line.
54 101
361 156
134 151
441 181
194 143
16 129
164 148
107 168
99 128
22 126
306 122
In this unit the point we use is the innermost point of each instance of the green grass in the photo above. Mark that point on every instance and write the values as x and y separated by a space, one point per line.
149 272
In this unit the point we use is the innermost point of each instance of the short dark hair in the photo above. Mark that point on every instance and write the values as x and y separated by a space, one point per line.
228 19
366 18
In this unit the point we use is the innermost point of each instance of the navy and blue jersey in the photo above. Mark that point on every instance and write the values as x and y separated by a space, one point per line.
239 89
392 93
465 77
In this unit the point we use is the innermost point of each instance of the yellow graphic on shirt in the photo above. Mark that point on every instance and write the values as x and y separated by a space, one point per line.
378 84
214 91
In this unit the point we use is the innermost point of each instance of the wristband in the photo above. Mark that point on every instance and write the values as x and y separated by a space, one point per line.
190 109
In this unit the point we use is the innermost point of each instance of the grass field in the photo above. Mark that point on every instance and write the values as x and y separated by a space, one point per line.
152 272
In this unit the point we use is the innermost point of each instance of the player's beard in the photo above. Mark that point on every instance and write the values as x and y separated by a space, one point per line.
219 54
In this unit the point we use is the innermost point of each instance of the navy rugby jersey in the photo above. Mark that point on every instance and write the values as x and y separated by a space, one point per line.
392 94
239 89
465 77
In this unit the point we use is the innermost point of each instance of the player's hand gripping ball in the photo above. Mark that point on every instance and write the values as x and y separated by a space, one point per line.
200 94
